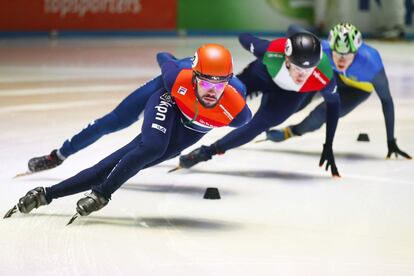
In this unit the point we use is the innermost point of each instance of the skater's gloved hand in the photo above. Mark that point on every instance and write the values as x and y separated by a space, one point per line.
195 157
393 148
328 156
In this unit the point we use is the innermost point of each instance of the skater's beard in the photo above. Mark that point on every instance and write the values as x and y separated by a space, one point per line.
208 101
209 98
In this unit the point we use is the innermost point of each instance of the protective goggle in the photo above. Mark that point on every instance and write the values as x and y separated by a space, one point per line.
208 85
344 55
300 69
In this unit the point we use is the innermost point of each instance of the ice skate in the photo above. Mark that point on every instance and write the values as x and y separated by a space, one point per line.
91 203
279 135
32 200
45 162
23 174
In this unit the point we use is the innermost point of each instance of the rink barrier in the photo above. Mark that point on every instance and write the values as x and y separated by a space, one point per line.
147 34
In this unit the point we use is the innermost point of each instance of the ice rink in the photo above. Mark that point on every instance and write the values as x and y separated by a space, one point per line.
280 214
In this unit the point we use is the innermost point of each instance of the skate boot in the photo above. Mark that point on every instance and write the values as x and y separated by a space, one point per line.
45 162
33 199
195 157
91 203
279 135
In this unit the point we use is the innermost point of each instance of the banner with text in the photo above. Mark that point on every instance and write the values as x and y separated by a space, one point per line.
46 15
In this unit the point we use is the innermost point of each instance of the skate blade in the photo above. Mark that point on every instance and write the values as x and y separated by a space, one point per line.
75 216
175 169
260 141
11 212
23 174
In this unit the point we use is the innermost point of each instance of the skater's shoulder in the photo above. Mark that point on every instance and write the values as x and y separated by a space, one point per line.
369 56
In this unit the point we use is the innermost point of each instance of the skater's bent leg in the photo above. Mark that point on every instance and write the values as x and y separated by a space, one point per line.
350 99
90 134
126 113
306 101
87 178
155 138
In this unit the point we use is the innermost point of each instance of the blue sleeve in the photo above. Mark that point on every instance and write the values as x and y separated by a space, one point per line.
238 85
332 101
256 46
242 118
382 88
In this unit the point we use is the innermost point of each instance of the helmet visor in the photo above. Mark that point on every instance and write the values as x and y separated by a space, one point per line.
213 78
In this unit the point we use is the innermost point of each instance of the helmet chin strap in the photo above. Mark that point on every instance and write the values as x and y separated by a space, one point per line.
195 102
195 115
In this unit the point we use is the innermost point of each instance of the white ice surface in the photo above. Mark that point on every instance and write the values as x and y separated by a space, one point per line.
280 214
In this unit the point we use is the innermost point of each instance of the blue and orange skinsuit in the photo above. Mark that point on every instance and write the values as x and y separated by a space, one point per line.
128 111
173 121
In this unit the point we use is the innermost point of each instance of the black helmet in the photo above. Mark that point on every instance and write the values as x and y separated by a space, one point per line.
303 50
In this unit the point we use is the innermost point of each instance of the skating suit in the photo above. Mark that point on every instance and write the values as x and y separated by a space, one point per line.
355 85
281 96
128 111
173 121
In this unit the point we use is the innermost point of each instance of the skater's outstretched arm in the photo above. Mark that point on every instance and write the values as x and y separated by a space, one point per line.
332 100
381 85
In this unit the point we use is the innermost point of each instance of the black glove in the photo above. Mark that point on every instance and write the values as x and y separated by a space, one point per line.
393 148
196 156
328 156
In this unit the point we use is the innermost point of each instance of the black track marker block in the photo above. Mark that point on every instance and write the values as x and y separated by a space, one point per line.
363 137
212 193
